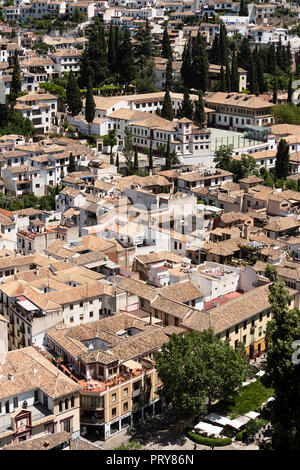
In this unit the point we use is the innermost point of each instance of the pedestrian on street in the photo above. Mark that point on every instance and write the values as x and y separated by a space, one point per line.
195 446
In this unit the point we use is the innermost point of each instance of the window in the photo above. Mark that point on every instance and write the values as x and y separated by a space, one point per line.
236 328
114 411
113 397
81 304
66 404
125 392
260 330
227 334
71 307
260 317
125 406
81 316
60 406
236 343
244 325
72 402
91 314
45 400
67 425
16 402
71 319
36 395
244 339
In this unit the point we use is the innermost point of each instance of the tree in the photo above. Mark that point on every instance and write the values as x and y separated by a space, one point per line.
227 76
199 113
260 74
214 53
150 156
72 165
111 52
283 372
78 16
89 104
15 86
186 70
290 90
110 139
136 161
168 155
169 74
126 60
223 156
117 162
222 84
282 165
128 150
253 84
167 110
166 50
243 11
197 369
74 100
234 73
243 56
187 109
275 86
223 44
199 64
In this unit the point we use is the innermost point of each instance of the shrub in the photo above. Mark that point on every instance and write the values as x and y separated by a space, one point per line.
208 441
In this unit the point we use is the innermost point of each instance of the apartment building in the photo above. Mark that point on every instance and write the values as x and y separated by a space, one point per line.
35 398
65 60
41 109
238 111
242 319
112 361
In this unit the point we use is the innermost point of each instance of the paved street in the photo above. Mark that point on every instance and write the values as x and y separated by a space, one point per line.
162 432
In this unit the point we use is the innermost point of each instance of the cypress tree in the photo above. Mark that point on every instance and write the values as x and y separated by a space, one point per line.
187 68
167 110
234 74
187 105
260 74
222 83
117 162
200 64
223 46
111 52
74 100
214 53
111 159
126 59
169 74
243 11
199 113
243 56
271 60
275 86
158 111
72 165
282 160
227 76
89 104
166 50
15 86
253 84
150 156
290 91
168 155
136 161
117 44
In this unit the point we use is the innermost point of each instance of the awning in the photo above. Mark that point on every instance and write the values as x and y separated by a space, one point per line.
218 419
132 364
209 428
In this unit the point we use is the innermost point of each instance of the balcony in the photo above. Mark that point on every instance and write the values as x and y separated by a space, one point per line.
136 392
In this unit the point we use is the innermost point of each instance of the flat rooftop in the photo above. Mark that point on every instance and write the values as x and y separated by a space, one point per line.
223 137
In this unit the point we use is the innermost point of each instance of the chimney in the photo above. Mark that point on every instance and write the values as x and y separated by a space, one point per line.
246 231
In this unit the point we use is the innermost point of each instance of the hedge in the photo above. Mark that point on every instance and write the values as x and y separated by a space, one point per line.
208 441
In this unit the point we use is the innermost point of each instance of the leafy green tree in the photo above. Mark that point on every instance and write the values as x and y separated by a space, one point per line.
283 371
198 369
167 110
282 160
30 200
89 104
74 100
223 157
72 165
110 140
78 16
